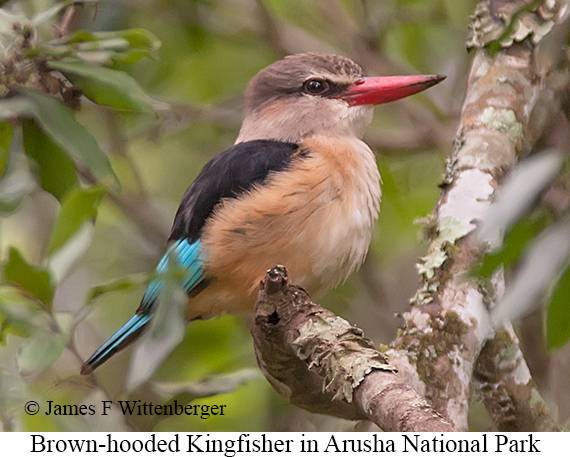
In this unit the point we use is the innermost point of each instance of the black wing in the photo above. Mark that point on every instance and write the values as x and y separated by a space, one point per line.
228 175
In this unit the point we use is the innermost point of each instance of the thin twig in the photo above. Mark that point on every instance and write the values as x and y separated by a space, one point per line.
65 21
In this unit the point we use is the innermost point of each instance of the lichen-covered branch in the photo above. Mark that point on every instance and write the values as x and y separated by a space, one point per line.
501 117
320 362
502 380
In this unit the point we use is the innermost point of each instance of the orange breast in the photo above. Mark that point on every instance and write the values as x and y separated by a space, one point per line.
316 219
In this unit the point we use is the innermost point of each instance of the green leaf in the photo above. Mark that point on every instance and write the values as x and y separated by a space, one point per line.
5 141
122 284
519 193
57 121
105 86
548 256
522 232
558 317
135 38
16 184
78 206
126 46
65 257
50 13
40 351
34 280
15 108
57 172
17 312
138 38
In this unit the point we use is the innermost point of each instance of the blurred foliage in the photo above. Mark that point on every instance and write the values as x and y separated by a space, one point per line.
532 243
92 168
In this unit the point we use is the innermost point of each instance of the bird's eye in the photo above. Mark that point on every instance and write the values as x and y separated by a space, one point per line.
315 86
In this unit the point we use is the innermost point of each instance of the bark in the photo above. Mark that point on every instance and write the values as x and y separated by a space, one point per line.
502 380
448 325
321 363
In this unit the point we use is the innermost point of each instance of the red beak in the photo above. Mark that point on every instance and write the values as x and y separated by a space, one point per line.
374 91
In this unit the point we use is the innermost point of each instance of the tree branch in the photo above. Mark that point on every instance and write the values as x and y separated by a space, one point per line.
449 324
510 395
321 363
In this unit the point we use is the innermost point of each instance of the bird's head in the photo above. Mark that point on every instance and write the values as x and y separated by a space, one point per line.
308 94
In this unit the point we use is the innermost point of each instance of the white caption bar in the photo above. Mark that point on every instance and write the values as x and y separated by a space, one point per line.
255 444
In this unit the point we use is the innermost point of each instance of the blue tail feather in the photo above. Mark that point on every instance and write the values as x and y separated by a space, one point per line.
189 258
128 333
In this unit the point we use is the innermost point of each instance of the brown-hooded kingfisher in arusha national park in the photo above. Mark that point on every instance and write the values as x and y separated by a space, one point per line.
298 188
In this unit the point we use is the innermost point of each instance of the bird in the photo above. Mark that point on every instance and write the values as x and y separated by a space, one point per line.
298 188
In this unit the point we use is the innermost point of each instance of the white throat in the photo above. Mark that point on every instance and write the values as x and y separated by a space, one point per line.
288 121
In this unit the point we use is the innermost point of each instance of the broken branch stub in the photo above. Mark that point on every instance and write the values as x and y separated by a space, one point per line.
319 362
